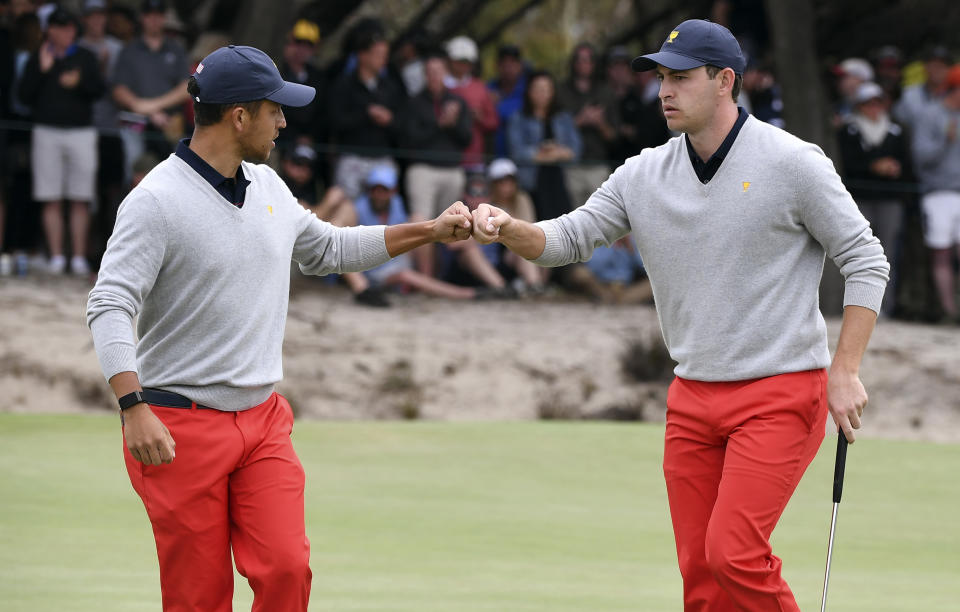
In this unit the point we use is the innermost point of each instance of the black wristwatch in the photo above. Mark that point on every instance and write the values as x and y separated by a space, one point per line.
131 399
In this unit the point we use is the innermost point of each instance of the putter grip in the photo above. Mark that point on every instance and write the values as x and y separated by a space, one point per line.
839 467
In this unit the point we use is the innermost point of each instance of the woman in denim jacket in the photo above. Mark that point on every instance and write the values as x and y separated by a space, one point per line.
542 138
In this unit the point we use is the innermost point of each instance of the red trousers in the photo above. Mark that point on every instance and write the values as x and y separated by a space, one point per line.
237 484
733 455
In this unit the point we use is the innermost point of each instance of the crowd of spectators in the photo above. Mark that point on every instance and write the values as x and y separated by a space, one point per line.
90 102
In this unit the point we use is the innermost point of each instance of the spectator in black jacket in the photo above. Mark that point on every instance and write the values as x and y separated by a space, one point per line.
437 127
306 124
61 82
875 155
363 107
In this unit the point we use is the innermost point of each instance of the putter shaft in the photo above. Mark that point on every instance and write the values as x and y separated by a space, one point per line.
826 576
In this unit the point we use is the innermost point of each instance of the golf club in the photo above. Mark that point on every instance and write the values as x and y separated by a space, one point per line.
837 492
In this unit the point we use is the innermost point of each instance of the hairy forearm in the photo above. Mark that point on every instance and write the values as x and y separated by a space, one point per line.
523 238
855 331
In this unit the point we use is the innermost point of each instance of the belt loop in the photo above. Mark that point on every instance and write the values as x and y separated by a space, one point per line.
193 405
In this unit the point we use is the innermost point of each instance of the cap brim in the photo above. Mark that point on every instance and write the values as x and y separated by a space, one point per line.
293 94
673 61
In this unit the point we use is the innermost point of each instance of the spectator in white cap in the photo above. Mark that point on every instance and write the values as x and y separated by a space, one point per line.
851 74
462 82
875 155
506 194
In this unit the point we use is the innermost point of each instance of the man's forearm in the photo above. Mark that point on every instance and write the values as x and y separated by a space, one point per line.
855 331
523 238
123 383
407 236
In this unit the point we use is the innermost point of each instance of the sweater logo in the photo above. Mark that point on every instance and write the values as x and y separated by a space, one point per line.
270 209
673 35
746 185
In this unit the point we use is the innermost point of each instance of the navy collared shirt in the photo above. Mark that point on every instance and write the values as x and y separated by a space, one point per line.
233 190
706 170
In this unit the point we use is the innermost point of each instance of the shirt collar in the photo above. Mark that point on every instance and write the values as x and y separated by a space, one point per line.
706 169
205 170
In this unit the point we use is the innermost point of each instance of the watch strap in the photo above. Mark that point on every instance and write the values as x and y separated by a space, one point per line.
131 399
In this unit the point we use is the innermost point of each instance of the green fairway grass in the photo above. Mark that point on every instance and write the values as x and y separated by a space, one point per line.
512 517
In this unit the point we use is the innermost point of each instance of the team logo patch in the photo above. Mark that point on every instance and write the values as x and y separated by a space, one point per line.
746 185
672 36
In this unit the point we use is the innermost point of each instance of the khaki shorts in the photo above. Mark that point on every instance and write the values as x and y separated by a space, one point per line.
941 219
431 189
64 163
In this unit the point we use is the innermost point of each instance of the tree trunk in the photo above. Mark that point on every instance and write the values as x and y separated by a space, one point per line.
805 109
264 24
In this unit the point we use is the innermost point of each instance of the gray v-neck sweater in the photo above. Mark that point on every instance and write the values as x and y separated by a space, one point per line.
210 282
735 264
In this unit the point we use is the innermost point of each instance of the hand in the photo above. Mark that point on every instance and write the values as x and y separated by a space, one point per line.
70 78
148 439
488 222
450 114
46 58
381 115
846 398
160 119
886 166
453 224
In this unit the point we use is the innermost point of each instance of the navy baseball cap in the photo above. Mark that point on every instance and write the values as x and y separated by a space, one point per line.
245 74
695 43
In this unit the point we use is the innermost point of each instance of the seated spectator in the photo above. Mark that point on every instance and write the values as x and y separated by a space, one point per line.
463 55
297 171
363 108
936 153
508 89
437 128
595 115
61 82
505 193
381 205
874 152
542 140
614 275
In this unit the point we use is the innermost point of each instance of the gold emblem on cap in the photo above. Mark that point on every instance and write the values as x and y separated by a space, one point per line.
672 36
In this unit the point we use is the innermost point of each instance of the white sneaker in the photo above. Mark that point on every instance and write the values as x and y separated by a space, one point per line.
6 264
79 266
57 265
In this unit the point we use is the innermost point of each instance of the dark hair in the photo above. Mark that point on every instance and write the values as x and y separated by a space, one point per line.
554 106
363 35
595 76
713 71
211 114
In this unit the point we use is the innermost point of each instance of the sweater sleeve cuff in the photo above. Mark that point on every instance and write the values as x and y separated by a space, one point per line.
113 339
552 250
863 294
373 246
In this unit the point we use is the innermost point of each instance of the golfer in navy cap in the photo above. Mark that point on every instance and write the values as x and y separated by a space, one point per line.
732 219
201 254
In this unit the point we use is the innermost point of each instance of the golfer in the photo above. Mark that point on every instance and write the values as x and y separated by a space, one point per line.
201 253
732 220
